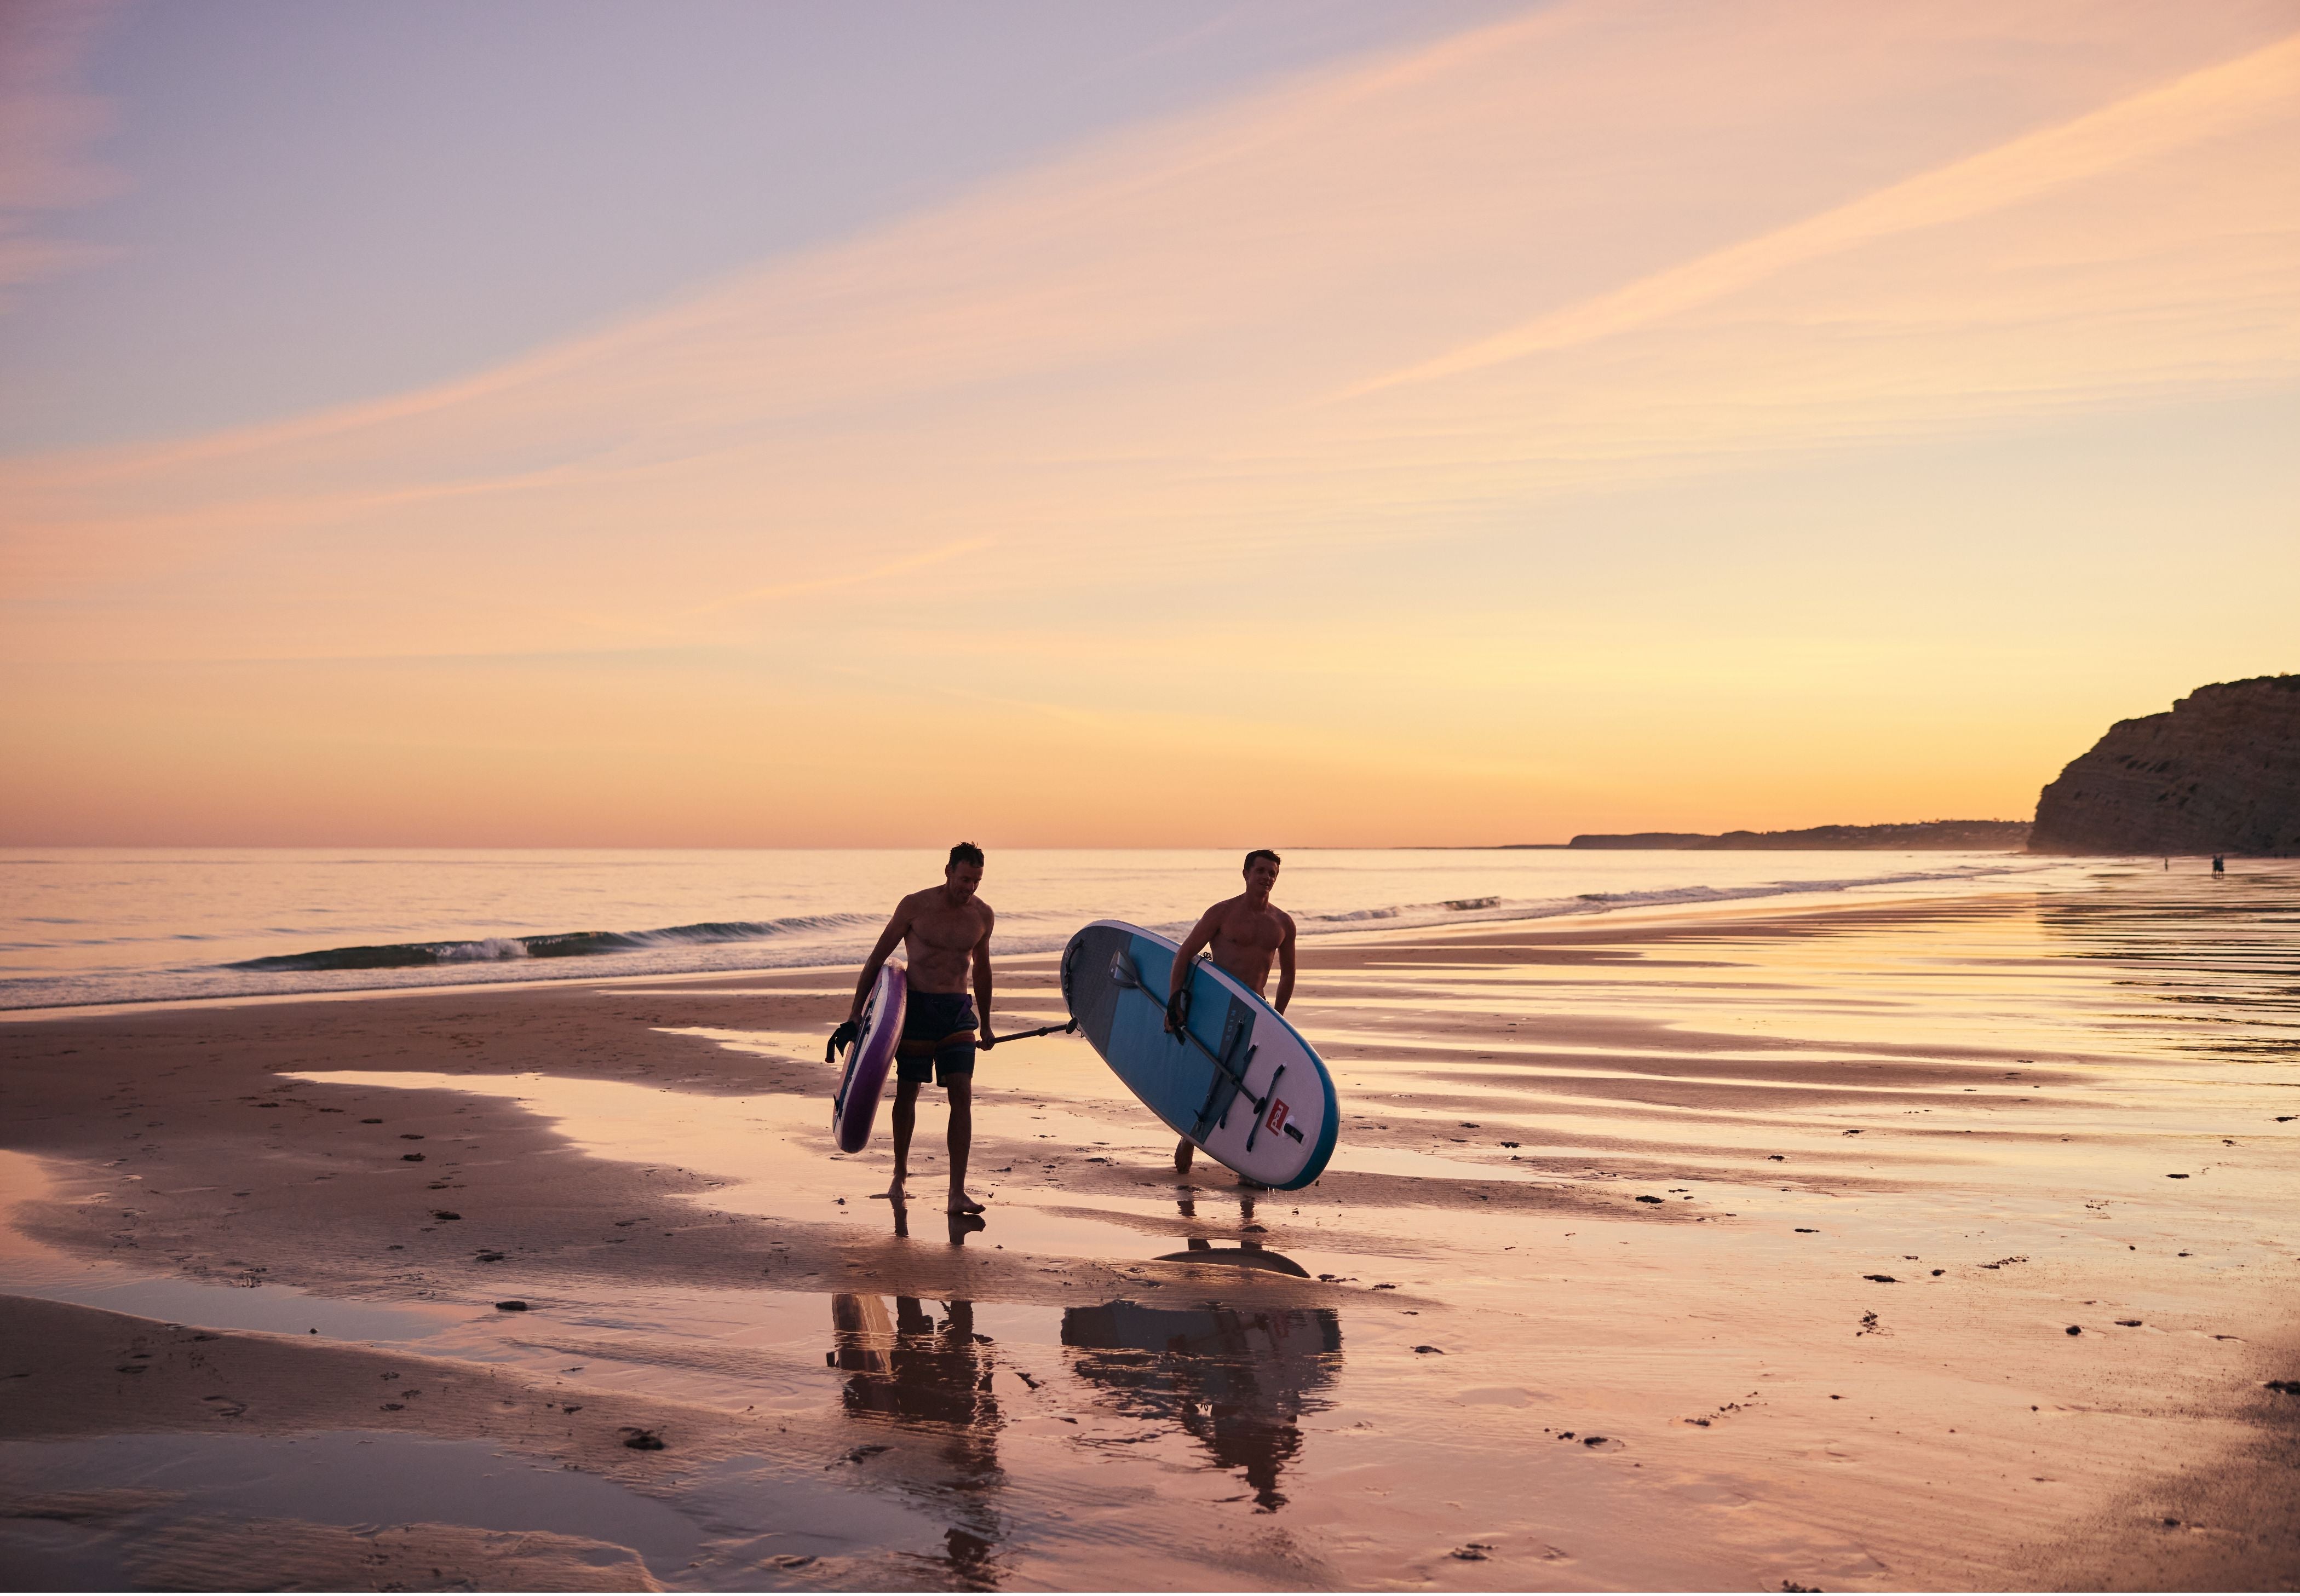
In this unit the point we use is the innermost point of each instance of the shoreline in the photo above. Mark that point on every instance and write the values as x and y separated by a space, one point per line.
1798 899
1635 1180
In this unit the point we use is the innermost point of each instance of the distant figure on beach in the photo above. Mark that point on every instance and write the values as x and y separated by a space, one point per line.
2219 868
944 932
1240 934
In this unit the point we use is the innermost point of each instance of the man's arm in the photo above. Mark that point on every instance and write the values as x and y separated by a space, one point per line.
898 927
1177 979
1285 963
1201 934
982 979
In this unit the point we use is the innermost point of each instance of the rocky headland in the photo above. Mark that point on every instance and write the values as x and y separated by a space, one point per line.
2218 773
1947 835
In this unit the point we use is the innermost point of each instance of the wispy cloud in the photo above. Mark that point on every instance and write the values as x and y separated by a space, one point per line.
2260 87
49 130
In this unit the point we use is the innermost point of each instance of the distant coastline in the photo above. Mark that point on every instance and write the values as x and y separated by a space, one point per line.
1946 836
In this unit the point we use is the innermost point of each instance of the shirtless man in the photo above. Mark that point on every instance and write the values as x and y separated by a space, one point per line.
946 934
1240 934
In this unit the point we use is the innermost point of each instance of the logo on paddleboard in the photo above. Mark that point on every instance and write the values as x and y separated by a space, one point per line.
1278 1113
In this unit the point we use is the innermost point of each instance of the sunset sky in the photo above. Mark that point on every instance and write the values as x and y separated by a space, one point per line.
1327 421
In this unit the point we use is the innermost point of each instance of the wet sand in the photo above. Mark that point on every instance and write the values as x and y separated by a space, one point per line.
1715 1251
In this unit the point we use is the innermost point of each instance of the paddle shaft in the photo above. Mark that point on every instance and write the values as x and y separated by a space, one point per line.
1237 1077
1041 1031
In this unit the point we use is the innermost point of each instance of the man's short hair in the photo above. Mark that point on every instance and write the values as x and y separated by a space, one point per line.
963 854
1260 854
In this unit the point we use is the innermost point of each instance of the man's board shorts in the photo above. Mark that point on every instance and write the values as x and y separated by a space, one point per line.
930 1017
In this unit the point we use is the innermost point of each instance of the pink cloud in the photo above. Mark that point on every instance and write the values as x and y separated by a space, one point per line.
50 127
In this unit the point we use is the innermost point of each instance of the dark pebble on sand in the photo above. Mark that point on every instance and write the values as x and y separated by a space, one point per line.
1940 1271
410 1135
2130 1323
444 1213
2076 1329
1439 1351
1648 1200
2176 1177
2289 1387
1881 1279
371 1122
1469 1554
1803 1230
394 1407
1592 1441
641 1441
411 1158
1777 1158
511 1305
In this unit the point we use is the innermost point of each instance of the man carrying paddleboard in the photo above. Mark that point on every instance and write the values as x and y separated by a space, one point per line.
1240 934
944 932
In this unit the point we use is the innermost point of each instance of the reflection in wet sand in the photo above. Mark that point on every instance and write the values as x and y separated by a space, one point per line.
1246 1255
1237 1379
2219 948
934 1380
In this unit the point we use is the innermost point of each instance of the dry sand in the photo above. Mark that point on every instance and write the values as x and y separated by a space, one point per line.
1736 1251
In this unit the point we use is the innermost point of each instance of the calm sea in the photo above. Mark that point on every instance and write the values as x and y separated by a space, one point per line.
107 926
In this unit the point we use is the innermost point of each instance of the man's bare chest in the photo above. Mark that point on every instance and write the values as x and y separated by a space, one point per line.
1247 931
947 930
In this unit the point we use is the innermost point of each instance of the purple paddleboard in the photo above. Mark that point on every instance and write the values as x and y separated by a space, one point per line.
856 1104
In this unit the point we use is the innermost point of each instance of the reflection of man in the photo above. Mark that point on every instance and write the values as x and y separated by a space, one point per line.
1240 934
932 1384
1238 1380
946 933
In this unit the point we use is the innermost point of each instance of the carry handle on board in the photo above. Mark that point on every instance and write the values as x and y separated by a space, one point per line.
1122 972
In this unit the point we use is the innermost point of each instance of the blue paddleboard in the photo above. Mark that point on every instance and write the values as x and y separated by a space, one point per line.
1244 1084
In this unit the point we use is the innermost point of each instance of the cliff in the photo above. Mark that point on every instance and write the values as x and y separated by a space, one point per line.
2220 773
1943 835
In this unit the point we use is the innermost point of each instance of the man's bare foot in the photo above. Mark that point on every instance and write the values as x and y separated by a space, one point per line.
960 1203
1184 1151
893 1193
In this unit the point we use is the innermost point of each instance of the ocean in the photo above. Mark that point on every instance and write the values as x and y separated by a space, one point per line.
82 925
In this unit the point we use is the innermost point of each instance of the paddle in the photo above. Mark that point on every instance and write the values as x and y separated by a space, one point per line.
1126 974
1026 1035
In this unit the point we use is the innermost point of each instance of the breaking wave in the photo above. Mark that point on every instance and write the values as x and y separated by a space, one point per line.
1450 910
559 944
